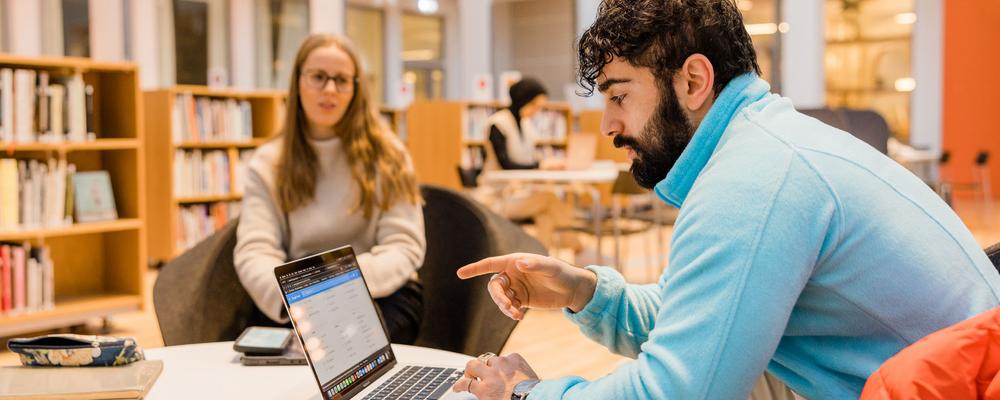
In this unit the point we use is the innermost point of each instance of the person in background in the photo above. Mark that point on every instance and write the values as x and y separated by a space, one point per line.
799 249
512 146
335 176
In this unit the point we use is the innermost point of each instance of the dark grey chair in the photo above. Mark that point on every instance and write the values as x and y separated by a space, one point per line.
198 297
459 315
870 127
866 125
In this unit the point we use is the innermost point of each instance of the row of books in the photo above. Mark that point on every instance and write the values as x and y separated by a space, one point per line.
35 194
240 172
36 107
197 222
549 125
201 173
477 122
26 279
205 119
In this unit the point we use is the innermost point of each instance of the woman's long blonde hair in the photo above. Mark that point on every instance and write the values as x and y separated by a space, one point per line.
372 151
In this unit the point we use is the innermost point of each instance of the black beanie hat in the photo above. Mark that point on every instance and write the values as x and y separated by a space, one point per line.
522 93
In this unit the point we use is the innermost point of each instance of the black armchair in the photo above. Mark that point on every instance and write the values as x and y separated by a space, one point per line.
198 297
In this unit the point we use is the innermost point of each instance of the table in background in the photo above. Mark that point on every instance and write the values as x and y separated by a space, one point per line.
213 371
600 172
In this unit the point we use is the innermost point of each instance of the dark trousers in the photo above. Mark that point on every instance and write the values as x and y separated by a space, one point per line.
402 311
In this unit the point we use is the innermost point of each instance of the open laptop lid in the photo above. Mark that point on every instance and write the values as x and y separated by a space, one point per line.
334 316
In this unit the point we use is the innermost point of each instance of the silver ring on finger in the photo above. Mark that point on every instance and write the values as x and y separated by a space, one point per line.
486 357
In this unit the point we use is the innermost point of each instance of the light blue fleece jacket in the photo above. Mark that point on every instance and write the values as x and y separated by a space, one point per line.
799 249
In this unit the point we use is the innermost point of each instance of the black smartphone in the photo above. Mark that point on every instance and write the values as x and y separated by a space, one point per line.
293 355
259 340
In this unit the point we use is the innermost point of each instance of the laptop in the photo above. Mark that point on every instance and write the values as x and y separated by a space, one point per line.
343 335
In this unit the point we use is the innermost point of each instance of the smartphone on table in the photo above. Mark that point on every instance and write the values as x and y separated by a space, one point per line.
263 341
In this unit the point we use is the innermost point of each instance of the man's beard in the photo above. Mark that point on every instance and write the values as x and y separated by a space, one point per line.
660 143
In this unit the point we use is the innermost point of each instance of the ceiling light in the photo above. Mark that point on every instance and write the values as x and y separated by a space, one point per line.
761 29
905 84
427 6
906 18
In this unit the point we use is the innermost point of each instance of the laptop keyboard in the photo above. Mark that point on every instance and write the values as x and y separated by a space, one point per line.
417 383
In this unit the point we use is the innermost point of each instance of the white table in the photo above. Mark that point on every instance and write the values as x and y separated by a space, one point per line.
213 371
600 172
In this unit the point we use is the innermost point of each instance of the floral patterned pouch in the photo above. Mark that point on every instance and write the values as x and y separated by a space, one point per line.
76 350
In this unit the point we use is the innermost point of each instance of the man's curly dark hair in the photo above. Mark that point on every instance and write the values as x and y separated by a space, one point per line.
662 34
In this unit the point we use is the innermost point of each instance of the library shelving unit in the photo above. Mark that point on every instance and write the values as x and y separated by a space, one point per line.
445 135
98 267
171 135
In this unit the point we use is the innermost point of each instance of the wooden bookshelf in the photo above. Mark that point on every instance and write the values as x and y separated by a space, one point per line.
267 109
99 267
440 131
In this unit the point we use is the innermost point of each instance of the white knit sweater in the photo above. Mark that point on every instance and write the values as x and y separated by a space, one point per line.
390 246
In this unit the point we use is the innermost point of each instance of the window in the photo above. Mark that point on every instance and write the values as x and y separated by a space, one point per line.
868 58
200 42
760 17
283 25
423 58
365 29
191 41
76 28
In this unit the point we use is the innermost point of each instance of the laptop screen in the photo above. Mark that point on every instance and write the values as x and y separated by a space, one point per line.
336 319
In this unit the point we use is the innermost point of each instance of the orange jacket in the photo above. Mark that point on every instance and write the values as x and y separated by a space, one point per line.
958 362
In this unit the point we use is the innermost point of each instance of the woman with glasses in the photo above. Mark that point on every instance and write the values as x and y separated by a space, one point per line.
335 176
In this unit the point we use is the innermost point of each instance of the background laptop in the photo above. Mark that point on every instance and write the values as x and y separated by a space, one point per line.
344 337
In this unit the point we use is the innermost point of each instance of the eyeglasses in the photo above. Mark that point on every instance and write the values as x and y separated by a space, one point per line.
318 79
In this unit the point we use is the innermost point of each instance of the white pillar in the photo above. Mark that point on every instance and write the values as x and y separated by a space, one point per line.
144 42
928 72
393 58
454 88
802 74
218 43
474 37
586 13
24 27
326 16
242 42
107 30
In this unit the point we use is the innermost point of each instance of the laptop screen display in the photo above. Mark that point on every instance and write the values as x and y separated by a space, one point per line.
336 319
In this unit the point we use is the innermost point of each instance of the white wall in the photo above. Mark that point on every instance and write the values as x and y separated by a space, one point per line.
474 37
928 71
23 25
326 16
107 33
144 31
586 13
802 71
242 44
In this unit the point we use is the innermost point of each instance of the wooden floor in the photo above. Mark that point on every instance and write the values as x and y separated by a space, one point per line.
552 345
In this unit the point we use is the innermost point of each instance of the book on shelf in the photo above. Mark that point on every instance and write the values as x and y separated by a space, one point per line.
94 201
205 119
26 273
36 107
201 173
33 193
199 221
550 125
477 121
241 171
